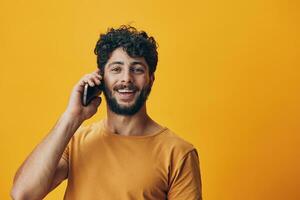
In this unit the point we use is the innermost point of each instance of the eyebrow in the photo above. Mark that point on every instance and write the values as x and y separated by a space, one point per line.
122 63
116 62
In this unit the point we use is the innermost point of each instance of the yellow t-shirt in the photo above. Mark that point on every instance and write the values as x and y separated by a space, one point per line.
108 166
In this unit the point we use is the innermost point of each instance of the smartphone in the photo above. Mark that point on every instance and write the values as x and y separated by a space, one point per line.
89 93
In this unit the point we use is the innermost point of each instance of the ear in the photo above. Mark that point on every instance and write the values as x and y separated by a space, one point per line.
152 78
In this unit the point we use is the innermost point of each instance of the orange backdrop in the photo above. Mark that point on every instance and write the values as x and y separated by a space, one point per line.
227 81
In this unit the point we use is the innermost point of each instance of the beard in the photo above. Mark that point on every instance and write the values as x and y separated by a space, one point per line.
115 107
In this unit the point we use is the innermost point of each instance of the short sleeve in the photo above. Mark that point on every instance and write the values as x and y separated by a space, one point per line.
186 183
66 152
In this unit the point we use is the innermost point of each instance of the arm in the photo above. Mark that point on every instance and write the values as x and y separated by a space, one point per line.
35 175
44 168
186 181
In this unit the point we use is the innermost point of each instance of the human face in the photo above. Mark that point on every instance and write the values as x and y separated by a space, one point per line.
127 83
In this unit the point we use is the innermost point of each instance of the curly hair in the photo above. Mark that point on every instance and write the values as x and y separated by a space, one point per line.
135 43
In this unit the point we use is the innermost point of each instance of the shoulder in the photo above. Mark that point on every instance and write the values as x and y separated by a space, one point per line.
176 146
180 153
87 132
173 140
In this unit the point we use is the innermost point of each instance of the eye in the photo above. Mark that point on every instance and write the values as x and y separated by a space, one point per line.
138 69
116 69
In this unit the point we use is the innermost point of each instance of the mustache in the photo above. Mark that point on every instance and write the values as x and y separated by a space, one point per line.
128 87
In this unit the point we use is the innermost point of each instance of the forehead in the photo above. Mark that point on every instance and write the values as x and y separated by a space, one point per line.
121 55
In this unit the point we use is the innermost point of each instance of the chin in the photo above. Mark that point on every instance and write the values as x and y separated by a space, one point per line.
126 104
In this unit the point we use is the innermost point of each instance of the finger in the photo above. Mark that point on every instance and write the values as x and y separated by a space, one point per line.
82 82
97 75
91 83
84 79
96 80
91 80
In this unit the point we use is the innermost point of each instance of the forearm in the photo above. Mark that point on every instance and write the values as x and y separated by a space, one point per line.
35 175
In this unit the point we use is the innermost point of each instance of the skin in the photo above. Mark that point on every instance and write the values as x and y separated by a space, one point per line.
121 69
44 169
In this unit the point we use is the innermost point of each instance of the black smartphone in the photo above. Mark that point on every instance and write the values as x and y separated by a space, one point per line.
89 93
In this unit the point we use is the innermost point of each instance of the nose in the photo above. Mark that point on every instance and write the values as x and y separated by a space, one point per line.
126 77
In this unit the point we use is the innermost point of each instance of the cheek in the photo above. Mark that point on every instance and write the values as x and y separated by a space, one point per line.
109 82
143 80
139 81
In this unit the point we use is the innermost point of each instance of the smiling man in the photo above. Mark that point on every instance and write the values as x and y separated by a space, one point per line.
126 155
130 95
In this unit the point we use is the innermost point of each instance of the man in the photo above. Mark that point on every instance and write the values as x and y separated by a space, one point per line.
126 156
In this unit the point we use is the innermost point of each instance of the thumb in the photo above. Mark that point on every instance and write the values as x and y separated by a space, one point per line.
96 101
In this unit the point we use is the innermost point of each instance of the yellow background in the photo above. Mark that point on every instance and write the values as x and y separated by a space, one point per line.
227 81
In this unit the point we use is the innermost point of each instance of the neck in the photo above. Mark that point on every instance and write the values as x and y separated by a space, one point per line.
137 124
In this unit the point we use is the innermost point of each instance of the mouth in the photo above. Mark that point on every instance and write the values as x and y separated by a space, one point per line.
126 94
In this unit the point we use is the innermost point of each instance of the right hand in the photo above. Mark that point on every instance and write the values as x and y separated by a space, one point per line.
75 107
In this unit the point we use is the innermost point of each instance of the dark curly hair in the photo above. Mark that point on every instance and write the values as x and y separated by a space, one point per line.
135 43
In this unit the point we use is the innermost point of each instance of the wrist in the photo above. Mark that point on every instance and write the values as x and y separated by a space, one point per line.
71 118
69 124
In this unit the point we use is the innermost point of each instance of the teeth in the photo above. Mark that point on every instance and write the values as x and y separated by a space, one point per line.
125 90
